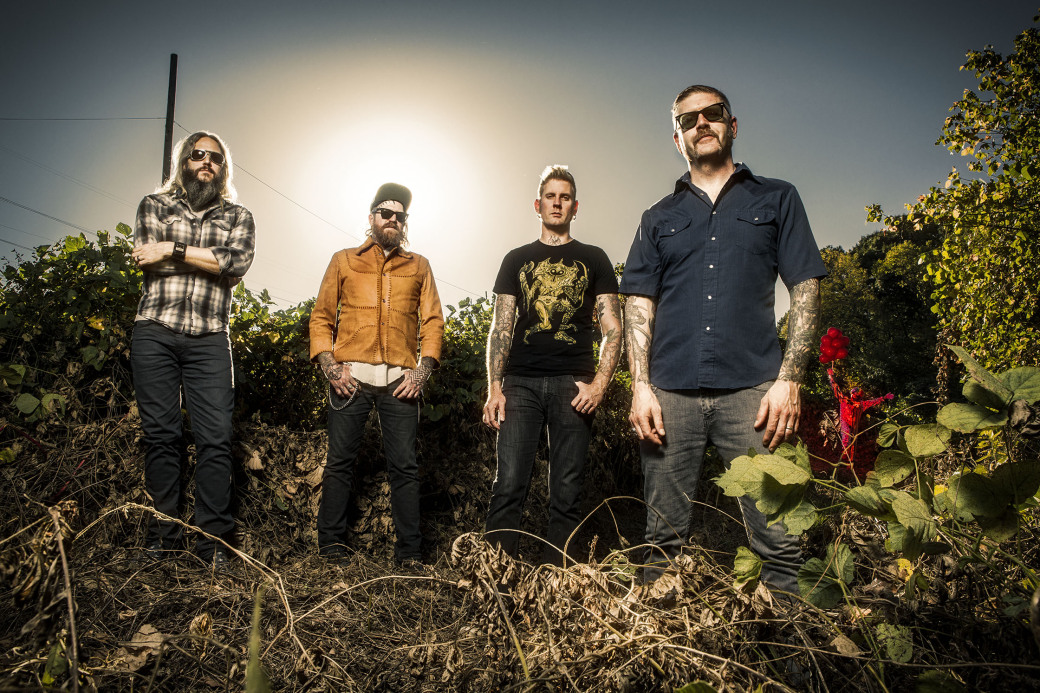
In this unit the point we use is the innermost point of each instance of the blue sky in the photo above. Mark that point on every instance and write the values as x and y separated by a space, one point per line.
465 103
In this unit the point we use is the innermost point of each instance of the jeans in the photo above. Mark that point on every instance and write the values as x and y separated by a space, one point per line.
163 361
531 405
399 424
692 419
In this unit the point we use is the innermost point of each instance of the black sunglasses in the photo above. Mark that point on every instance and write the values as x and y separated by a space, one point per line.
716 113
200 154
389 213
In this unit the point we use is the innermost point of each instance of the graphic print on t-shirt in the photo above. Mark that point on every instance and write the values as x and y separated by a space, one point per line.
553 291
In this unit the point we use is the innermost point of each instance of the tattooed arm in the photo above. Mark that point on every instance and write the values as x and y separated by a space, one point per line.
781 406
645 415
338 374
500 339
608 310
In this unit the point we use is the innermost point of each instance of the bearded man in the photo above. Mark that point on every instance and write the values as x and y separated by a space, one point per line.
194 245
377 352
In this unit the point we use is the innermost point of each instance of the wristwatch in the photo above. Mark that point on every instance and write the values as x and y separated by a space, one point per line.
179 250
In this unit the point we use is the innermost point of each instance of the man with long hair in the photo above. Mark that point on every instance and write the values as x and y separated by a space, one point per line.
376 332
193 244
542 372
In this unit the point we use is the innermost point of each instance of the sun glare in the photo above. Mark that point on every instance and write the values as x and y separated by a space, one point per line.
417 153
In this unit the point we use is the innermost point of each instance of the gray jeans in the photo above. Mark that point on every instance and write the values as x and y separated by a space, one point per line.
671 471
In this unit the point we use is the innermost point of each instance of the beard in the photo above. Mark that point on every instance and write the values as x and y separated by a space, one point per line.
201 193
389 237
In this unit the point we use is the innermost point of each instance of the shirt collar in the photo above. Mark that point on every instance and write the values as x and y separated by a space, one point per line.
741 170
370 242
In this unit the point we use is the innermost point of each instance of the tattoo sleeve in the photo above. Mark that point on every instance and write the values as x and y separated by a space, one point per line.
608 311
421 373
500 337
639 328
329 366
803 322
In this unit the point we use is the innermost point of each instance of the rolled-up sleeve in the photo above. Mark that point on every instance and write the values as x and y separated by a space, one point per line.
236 254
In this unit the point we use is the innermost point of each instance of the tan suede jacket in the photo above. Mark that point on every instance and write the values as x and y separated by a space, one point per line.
388 304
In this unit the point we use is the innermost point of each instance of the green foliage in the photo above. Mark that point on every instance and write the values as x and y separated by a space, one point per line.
922 518
274 377
878 294
747 567
985 273
65 317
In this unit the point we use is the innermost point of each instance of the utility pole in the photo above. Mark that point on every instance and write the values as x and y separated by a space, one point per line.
170 99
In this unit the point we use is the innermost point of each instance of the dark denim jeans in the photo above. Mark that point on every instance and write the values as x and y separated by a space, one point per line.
163 361
399 424
531 405
692 419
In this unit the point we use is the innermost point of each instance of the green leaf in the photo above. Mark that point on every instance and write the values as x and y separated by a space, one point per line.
56 665
821 582
785 472
899 644
801 519
915 525
892 466
866 500
1000 528
742 478
927 440
938 681
26 403
696 687
747 566
1023 382
799 454
974 392
1018 480
12 375
967 418
887 434
983 376
978 495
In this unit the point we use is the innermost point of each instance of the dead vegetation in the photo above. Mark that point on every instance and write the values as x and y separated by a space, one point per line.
84 612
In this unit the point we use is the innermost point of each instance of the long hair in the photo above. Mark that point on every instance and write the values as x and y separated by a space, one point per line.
179 160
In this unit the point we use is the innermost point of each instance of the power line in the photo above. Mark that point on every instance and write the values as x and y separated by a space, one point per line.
37 120
17 245
42 214
75 180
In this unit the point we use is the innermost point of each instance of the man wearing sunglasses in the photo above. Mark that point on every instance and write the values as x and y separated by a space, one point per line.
378 354
542 374
702 347
193 245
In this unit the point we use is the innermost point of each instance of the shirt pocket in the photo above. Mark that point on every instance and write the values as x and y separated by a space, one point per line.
756 230
674 238
217 232
174 227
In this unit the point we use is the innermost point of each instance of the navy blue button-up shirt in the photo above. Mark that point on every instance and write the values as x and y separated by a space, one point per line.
712 270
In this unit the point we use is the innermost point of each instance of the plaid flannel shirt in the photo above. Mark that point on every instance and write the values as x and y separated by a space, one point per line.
175 294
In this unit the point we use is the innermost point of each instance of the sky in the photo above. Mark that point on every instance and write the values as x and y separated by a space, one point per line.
465 103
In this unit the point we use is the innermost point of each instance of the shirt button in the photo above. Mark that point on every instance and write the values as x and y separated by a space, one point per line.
708 329
756 218
713 238
711 266
714 213
709 298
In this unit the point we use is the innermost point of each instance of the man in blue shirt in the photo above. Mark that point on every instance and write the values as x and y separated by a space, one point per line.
702 347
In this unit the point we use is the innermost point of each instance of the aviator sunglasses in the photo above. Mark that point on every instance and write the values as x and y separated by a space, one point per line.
385 213
200 154
716 113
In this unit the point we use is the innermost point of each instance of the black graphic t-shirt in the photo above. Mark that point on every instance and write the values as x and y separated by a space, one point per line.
555 288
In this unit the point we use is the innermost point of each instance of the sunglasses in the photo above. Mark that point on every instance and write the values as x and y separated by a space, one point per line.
716 113
385 213
200 155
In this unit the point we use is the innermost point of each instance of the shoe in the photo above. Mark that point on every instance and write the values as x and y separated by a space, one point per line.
221 561
152 553
335 554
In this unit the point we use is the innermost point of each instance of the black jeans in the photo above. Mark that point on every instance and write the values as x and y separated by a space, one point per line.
163 361
532 405
399 424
